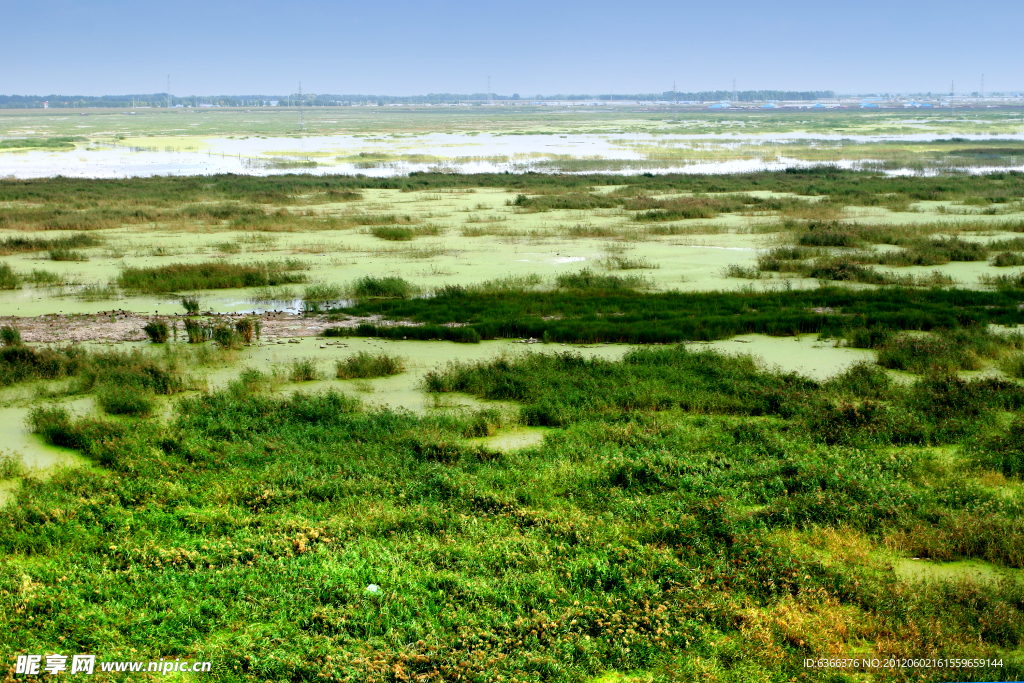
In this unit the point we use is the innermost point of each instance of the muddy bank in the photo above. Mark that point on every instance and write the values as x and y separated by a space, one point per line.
124 326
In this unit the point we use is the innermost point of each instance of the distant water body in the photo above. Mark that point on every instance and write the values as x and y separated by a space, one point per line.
387 156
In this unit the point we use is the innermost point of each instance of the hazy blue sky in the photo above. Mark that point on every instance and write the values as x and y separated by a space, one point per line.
528 46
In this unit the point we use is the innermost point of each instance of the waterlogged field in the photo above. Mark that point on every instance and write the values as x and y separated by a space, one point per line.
531 427
393 141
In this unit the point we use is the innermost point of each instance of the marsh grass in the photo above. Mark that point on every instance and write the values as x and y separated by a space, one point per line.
688 504
365 365
10 336
62 254
45 278
1013 365
586 230
156 331
743 272
98 292
922 351
1013 281
402 233
197 332
227 337
323 292
394 233
270 295
1007 259
518 309
8 278
305 370
125 400
18 244
587 279
180 277
190 304
391 287
626 263
491 231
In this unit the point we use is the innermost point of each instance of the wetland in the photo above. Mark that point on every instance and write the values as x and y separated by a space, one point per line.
580 422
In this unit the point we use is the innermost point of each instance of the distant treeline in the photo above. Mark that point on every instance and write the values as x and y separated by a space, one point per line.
312 100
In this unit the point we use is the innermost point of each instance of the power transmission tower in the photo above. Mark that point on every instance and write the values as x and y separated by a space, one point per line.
168 91
489 98
982 86
734 90
302 123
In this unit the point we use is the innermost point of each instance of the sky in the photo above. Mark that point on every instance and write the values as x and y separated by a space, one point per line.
530 47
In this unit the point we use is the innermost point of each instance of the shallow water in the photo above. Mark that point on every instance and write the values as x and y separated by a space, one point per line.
513 439
400 155
34 453
805 355
17 441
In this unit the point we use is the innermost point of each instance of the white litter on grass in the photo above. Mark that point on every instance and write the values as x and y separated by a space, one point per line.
373 588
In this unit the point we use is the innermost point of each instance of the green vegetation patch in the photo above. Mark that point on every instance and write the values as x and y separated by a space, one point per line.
365 365
183 277
55 143
620 314
690 507
17 244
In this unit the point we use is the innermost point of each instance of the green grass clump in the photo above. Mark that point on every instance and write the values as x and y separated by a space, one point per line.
44 278
125 400
787 259
391 287
214 275
1003 452
317 297
829 235
947 351
626 263
191 305
55 143
249 329
8 278
587 279
156 331
20 363
305 370
10 336
1007 258
322 293
227 337
365 365
19 244
395 233
843 270
1013 282
576 201
62 254
1013 365
198 332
